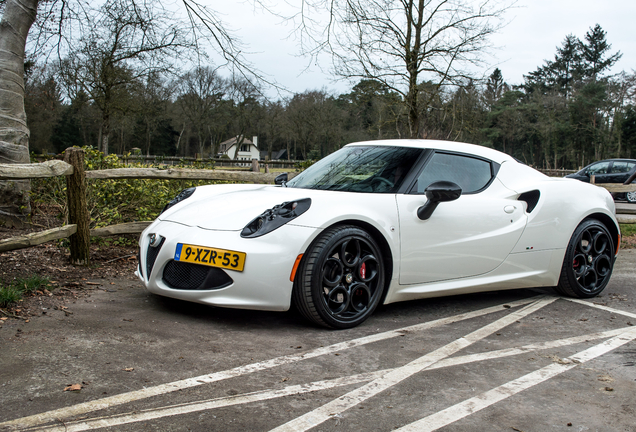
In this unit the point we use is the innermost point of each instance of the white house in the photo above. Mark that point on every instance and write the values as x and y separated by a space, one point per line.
247 150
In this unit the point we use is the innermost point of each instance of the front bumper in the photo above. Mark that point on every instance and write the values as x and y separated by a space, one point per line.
263 284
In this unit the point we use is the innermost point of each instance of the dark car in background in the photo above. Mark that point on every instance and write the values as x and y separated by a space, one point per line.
609 171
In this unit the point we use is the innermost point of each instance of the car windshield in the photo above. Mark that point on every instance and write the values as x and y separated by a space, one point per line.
372 169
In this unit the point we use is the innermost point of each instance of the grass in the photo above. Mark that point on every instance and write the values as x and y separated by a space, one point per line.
13 292
628 230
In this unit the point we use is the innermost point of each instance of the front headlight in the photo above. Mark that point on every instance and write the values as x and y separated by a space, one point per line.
275 217
184 194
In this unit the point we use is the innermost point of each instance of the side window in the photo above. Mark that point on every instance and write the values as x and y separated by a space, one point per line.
471 174
622 167
599 168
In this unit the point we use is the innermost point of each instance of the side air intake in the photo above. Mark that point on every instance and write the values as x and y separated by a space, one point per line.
531 198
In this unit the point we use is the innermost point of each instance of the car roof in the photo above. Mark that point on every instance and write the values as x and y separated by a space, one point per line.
614 160
473 149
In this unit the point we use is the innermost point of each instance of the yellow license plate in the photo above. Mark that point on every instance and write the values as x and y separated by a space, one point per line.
212 257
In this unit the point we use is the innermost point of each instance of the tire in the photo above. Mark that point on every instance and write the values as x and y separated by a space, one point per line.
341 278
589 259
631 197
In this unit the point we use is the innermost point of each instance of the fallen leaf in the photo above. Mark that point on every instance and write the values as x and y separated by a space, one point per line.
73 387
128 369
609 389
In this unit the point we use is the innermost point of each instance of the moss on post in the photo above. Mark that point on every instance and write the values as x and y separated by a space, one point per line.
77 209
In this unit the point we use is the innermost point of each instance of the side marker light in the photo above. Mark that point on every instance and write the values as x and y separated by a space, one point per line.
296 264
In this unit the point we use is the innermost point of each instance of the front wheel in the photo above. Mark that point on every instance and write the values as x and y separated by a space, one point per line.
588 262
341 278
631 197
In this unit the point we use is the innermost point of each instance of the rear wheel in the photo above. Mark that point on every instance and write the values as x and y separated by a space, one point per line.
588 261
341 278
631 197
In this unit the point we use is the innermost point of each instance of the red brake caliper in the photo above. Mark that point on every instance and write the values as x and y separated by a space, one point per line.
363 271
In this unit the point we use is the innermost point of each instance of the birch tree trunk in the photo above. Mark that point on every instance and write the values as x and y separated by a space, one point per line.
17 19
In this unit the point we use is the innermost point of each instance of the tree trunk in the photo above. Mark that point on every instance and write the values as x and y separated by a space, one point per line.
14 133
105 132
77 209
148 136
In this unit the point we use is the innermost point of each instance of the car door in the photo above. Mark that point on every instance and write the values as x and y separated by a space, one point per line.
466 237
619 171
601 172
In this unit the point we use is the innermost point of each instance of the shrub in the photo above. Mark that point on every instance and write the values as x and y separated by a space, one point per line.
112 201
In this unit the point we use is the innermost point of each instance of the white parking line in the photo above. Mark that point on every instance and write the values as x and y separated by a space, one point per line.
601 307
153 414
507 352
83 408
353 398
477 403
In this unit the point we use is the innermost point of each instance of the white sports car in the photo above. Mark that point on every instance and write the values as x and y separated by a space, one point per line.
382 222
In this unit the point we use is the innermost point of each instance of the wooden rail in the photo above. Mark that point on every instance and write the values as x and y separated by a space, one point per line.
52 168
172 160
183 174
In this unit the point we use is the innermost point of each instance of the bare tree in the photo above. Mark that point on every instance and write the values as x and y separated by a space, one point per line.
152 96
402 43
128 42
58 22
201 93
245 96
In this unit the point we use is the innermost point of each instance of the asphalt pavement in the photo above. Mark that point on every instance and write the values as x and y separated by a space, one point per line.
523 360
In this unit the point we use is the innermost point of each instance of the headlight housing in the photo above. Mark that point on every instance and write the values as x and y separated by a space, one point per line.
184 194
275 217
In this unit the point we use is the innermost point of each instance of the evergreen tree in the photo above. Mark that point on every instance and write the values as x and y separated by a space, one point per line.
595 53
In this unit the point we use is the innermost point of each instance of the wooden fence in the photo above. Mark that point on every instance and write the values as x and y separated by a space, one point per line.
78 230
224 162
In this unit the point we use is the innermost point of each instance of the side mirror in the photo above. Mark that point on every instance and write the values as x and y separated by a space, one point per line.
441 191
280 179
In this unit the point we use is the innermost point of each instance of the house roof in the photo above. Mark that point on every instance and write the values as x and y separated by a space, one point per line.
232 141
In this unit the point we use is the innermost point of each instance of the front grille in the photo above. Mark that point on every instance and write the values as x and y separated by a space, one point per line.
188 276
151 257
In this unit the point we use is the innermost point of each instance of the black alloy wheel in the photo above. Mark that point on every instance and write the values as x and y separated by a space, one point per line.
589 259
341 278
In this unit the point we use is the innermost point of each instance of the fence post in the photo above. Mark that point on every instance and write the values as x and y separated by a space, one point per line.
77 209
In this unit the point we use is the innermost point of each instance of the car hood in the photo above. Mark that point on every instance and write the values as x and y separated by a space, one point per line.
229 207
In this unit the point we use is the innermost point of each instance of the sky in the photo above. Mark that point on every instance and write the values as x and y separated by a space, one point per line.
535 29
